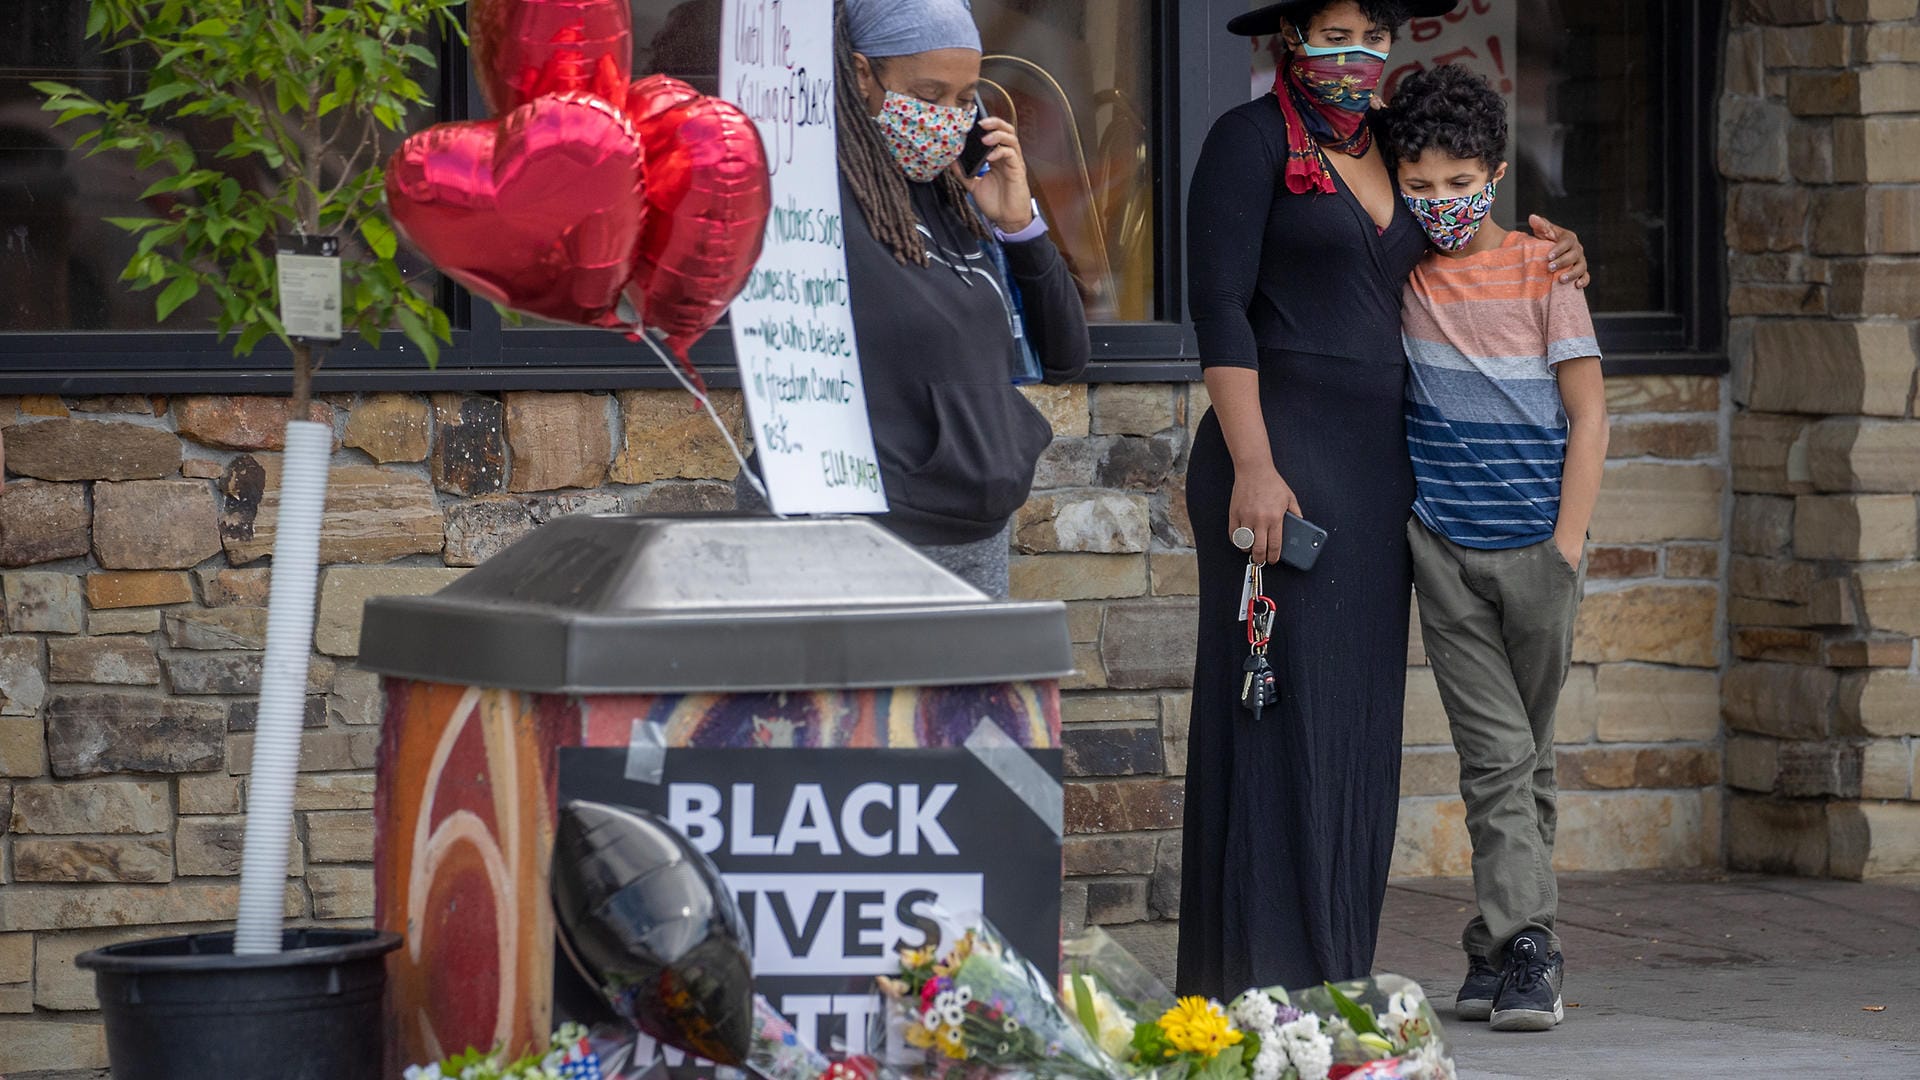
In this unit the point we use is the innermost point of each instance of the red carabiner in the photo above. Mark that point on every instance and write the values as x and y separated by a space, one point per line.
1260 612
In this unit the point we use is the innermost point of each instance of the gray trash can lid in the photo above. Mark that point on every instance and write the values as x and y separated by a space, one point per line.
608 604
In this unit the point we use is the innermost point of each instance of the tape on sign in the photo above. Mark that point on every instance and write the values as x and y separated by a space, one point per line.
646 752
1022 775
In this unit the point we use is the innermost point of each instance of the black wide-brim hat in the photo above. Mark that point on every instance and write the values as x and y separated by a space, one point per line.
1269 19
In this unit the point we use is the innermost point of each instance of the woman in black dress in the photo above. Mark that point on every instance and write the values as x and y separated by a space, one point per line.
1300 247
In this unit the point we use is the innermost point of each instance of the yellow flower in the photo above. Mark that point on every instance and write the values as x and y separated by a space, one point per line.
916 958
919 1036
950 1043
1199 1026
961 950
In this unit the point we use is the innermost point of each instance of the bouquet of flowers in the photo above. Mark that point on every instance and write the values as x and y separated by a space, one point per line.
1380 1028
1368 1029
569 1057
981 1010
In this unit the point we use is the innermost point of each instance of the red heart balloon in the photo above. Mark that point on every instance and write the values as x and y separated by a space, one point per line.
708 198
539 212
654 95
525 49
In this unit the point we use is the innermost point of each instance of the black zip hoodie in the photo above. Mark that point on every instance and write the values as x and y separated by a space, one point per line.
957 443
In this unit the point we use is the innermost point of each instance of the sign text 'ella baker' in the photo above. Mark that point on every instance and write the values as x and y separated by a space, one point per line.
839 858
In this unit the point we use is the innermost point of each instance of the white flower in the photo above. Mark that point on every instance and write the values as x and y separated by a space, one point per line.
1407 1001
963 995
1307 1047
1254 1011
954 1015
430 1072
1430 1062
1114 1028
1270 1062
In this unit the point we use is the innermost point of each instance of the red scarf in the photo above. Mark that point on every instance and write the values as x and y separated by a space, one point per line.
1317 96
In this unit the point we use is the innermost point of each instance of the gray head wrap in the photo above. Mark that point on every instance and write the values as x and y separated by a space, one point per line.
905 27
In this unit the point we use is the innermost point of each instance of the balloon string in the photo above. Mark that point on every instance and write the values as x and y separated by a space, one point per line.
706 403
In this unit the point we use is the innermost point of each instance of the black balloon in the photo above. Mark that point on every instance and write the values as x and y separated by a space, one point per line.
647 920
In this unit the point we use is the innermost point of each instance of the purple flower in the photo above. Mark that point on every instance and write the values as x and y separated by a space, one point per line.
1286 1014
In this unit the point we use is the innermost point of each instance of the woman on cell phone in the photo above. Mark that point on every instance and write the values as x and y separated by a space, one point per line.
932 314
1299 249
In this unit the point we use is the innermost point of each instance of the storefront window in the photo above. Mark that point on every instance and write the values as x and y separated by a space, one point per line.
1077 80
1589 119
60 261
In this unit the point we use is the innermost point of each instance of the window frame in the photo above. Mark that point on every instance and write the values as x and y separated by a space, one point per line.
1687 338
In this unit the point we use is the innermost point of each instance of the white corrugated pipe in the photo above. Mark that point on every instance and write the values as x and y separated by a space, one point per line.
283 688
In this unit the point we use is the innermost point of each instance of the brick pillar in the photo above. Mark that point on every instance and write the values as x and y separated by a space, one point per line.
1820 146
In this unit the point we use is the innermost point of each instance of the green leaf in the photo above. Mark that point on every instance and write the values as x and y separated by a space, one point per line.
169 92
1358 1018
96 20
209 28
134 224
1224 1065
416 331
182 290
380 238
169 183
1083 1004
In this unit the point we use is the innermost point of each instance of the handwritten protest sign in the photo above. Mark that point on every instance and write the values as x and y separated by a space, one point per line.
793 325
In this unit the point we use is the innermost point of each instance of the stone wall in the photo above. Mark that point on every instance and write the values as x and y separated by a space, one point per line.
1820 143
134 532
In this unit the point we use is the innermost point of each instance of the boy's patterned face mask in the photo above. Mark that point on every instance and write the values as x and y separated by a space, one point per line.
1452 223
925 138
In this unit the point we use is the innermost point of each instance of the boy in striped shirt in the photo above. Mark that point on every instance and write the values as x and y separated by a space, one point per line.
1507 429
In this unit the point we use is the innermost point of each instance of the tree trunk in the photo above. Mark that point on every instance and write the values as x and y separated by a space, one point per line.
302 403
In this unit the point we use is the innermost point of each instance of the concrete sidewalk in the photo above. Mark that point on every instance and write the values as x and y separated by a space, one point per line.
1703 977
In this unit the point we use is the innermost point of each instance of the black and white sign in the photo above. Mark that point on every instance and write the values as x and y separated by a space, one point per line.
837 858
308 271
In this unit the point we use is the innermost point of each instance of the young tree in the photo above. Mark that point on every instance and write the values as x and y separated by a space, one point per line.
303 92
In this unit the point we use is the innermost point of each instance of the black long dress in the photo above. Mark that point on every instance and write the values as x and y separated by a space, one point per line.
1289 821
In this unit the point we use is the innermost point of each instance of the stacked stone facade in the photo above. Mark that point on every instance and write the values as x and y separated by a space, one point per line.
135 534
1820 144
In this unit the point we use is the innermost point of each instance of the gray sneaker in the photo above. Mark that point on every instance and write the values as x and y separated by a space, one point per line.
1475 999
1528 998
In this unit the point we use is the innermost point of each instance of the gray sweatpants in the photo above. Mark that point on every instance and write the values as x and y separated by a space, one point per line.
1498 629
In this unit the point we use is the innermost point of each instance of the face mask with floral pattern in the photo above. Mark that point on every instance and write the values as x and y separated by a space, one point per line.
1452 223
925 138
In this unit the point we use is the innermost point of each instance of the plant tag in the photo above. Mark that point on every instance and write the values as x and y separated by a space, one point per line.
309 271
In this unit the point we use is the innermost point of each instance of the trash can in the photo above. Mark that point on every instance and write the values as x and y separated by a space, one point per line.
725 632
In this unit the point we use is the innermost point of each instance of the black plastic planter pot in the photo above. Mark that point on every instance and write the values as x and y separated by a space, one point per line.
186 1008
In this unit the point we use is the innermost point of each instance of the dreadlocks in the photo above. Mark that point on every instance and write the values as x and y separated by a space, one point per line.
868 165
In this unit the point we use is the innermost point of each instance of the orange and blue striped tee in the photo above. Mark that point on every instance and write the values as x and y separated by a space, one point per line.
1485 426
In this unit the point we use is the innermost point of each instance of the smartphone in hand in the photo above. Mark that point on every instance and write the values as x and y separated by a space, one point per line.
1301 542
973 158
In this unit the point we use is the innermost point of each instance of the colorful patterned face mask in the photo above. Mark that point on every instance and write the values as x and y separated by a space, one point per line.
1452 223
925 138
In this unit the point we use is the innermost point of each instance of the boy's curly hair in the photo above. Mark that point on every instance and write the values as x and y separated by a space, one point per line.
1448 108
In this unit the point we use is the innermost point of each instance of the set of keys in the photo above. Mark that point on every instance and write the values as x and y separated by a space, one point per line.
1259 688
